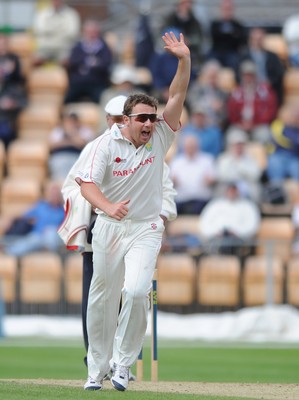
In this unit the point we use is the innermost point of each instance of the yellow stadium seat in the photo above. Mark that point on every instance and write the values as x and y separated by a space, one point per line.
22 44
17 195
37 120
73 270
28 159
176 279
8 278
40 278
89 113
255 284
292 282
47 85
275 236
218 282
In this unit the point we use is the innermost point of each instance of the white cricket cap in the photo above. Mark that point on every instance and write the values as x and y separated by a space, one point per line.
115 106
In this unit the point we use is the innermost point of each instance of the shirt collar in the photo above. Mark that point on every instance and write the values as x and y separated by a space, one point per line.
115 132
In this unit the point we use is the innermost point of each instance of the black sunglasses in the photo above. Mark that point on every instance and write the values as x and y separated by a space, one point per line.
144 117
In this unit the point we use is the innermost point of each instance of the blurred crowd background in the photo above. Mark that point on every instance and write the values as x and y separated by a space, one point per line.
235 164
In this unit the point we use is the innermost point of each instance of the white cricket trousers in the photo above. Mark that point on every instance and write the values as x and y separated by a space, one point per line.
124 259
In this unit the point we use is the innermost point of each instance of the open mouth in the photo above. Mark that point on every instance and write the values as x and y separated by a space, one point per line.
145 135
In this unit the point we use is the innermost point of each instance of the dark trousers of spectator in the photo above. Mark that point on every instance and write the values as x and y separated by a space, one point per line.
87 275
84 92
193 207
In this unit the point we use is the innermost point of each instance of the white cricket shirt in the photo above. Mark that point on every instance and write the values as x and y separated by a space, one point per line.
123 172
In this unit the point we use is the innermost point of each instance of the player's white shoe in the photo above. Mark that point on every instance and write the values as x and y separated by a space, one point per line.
132 377
91 384
120 378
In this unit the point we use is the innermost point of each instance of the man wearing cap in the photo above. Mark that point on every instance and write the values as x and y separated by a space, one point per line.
229 223
236 164
79 219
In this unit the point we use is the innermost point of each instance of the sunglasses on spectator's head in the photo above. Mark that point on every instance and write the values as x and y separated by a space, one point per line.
144 117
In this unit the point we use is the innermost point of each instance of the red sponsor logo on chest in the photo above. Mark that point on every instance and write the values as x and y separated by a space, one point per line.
130 171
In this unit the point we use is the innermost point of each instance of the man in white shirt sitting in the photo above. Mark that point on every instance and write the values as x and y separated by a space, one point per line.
193 173
229 222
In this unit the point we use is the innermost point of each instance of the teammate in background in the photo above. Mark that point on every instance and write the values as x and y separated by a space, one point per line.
77 226
123 182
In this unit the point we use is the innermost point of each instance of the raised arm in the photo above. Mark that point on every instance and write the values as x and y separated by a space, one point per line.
179 85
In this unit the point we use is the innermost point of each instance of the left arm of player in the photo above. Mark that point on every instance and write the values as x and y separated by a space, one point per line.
179 85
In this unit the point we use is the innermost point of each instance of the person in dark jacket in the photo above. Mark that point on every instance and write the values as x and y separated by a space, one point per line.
184 20
89 65
13 96
228 36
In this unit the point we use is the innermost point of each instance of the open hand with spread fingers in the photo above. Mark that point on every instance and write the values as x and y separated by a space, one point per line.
174 46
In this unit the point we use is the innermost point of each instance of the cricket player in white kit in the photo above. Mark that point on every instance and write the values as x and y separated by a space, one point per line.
123 182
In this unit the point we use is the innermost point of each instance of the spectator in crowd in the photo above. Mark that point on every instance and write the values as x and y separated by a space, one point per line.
206 89
229 223
283 158
65 143
183 19
252 105
193 174
290 32
89 65
210 136
269 67
13 96
228 36
237 165
56 28
45 217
